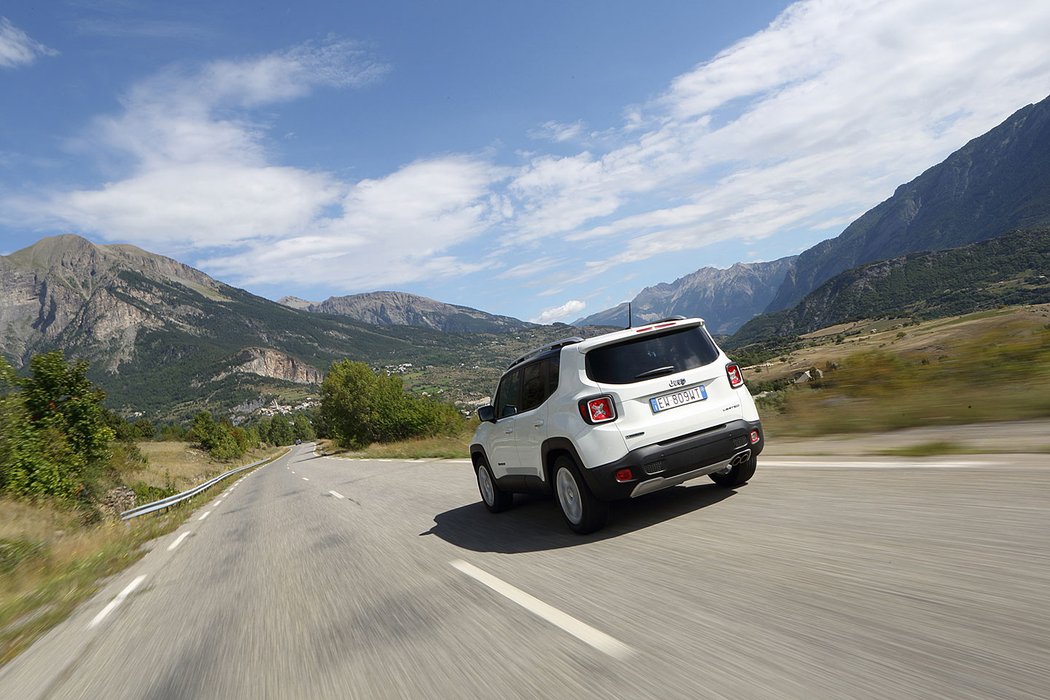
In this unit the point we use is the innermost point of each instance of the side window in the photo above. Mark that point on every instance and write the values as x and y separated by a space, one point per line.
508 395
553 365
534 385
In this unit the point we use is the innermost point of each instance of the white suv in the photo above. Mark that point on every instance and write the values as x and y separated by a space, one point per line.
616 416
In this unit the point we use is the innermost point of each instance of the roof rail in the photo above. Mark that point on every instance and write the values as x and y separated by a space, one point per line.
556 345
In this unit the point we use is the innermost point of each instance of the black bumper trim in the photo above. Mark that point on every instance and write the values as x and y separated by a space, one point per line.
672 459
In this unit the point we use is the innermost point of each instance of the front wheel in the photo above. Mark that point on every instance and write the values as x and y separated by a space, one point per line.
737 475
583 512
491 495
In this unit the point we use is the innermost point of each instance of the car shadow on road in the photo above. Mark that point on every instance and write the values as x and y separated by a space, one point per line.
535 523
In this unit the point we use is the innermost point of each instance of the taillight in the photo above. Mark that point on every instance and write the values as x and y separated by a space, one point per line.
600 409
736 377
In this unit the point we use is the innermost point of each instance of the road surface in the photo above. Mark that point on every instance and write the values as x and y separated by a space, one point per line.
823 578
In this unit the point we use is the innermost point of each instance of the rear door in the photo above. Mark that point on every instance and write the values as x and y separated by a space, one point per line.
539 380
666 383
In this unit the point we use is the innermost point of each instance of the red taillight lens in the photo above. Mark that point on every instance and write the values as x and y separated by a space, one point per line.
600 409
624 475
755 437
736 377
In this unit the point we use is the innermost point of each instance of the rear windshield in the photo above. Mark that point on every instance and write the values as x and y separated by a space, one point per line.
651 356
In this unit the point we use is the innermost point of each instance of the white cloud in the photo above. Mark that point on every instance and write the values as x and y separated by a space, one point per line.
817 117
558 132
17 48
199 172
566 311
201 205
389 231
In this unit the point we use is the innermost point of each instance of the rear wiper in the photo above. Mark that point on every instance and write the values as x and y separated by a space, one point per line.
655 371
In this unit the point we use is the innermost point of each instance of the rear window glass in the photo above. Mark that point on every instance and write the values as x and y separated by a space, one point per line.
651 356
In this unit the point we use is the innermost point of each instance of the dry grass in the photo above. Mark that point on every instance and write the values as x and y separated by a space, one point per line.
930 338
51 559
441 447
182 465
979 368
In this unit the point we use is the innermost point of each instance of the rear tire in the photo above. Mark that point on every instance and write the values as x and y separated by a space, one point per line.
583 512
738 475
494 499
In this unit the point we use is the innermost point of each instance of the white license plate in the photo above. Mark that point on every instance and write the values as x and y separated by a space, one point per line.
678 398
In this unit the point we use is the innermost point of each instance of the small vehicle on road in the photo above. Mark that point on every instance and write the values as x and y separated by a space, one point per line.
614 417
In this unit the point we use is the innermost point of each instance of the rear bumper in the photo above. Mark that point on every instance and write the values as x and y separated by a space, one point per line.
660 466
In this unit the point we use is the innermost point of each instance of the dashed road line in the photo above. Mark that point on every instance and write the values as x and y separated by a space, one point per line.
305 479
178 541
337 495
567 623
116 601
206 514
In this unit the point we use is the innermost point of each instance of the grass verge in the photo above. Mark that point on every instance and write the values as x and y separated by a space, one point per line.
51 560
1000 374
440 447
925 449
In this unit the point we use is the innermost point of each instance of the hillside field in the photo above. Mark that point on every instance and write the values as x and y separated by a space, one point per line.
892 374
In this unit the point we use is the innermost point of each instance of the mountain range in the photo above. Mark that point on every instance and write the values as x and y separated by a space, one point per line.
403 309
164 339
726 299
996 183
1007 270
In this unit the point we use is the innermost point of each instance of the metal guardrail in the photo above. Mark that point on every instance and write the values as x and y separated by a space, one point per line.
180 497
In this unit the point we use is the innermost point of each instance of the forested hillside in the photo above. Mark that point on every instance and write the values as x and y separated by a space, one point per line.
1011 269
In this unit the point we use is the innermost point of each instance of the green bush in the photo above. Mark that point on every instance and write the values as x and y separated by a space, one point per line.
360 407
53 431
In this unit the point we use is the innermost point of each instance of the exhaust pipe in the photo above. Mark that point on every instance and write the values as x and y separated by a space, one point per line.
739 458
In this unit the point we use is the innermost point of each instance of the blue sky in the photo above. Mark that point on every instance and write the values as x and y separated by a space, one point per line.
544 160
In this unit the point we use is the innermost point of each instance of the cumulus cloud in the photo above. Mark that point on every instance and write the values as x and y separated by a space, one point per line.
566 311
17 48
388 231
199 172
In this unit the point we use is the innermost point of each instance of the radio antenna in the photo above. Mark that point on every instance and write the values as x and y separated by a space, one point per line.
630 319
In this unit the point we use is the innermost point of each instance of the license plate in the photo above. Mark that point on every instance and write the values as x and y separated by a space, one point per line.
678 398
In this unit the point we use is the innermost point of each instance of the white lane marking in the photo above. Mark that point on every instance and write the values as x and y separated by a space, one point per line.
846 464
305 479
585 633
178 541
116 601
337 495
206 514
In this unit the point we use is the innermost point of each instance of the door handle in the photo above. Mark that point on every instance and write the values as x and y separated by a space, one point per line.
538 424
508 431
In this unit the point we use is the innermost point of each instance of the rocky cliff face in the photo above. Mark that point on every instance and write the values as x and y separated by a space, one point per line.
996 183
67 292
403 309
274 364
726 299
133 313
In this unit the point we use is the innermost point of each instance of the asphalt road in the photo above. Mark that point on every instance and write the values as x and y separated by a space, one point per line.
823 578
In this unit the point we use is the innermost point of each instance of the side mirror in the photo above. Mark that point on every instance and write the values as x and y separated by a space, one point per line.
487 414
